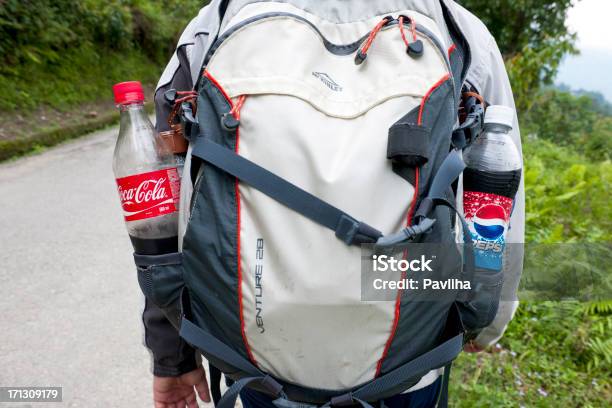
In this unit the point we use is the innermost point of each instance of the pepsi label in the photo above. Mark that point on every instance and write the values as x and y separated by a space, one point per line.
488 217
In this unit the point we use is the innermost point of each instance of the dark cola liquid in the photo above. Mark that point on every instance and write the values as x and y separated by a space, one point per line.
502 183
154 246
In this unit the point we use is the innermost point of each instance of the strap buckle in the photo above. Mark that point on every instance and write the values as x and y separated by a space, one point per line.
471 128
272 385
342 400
346 400
188 114
353 232
408 234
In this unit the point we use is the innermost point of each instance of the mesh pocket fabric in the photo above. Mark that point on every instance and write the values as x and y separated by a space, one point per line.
145 281
481 309
161 278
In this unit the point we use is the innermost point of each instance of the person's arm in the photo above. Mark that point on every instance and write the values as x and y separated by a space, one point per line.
171 356
177 372
176 366
488 75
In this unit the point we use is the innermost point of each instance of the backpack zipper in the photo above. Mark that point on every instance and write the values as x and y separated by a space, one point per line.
344 49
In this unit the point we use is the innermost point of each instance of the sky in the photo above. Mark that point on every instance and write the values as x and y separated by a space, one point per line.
591 20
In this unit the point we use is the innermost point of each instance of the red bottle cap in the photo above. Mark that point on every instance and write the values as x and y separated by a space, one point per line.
128 92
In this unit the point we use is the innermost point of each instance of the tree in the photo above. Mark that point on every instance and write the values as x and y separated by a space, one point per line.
532 36
571 121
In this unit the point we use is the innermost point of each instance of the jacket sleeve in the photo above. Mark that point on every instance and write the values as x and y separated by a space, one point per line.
171 355
488 75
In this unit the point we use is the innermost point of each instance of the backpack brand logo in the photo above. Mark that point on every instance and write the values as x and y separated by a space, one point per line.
326 79
259 258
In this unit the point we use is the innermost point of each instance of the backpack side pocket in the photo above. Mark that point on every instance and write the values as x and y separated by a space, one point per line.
481 307
161 280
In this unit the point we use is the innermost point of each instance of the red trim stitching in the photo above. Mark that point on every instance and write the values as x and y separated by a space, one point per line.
451 49
428 94
398 299
219 87
238 225
239 263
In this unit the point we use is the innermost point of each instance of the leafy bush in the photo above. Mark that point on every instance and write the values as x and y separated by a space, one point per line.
571 121
533 37
39 32
567 195
85 75
554 354
72 38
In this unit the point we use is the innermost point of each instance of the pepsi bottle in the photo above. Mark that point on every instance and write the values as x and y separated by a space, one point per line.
490 183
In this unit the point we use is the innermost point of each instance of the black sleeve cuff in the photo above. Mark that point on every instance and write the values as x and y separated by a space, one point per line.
186 366
171 355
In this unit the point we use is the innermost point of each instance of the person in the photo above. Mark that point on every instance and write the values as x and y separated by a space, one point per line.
177 369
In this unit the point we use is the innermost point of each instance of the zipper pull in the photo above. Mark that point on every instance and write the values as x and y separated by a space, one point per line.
362 52
231 120
415 47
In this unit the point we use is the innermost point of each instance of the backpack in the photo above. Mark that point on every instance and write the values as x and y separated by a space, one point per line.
313 139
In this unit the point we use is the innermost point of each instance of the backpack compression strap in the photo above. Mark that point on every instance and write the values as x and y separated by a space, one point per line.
440 356
347 228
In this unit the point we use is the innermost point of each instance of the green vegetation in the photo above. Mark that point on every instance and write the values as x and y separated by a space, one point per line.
567 194
63 53
556 353
85 74
575 122
553 353
533 38
60 58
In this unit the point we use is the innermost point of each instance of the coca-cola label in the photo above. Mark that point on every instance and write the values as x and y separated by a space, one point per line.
150 194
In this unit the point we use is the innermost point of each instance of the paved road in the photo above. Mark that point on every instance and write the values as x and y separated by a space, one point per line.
69 300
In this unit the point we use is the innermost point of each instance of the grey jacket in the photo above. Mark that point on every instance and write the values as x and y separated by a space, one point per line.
487 75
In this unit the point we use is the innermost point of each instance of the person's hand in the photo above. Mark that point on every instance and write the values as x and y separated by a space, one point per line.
180 392
472 347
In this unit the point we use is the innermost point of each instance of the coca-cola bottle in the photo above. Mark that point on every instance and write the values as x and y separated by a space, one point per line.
147 176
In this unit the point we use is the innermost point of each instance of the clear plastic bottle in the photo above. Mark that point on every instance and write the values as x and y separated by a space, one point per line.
147 178
490 183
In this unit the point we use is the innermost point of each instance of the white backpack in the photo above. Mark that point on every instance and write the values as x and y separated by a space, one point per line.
314 136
